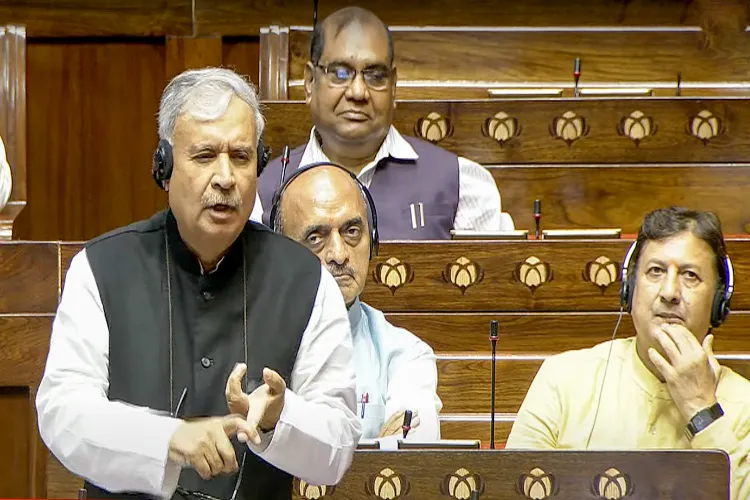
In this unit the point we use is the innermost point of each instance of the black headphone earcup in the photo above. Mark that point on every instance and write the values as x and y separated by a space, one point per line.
161 165
264 156
719 308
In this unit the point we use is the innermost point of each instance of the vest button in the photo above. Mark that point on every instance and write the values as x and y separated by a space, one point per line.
206 362
207 296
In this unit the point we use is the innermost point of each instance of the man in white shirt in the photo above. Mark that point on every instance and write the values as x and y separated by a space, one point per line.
325 208
421 190
6 181
155 315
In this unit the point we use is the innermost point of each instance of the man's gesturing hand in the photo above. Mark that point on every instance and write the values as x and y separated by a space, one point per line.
263 406
204 445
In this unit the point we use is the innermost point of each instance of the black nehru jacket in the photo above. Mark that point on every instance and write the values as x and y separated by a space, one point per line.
130 268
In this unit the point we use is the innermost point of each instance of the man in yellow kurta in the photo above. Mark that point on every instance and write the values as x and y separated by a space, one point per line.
662 388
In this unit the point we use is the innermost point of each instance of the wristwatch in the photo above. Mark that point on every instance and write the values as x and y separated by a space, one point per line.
703 419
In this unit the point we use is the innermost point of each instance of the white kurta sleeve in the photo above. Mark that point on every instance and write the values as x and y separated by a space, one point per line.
116 446
6 180
479 207
318 431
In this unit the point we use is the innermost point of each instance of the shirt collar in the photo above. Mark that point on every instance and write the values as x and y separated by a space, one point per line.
644 378
394 146
355 315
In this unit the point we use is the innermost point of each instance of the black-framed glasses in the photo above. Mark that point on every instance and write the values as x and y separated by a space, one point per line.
198 495
338 74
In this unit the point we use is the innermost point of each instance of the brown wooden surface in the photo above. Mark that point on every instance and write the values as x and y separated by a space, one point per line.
242 17
619 196
547 56
499 261
477 426
183 53
29 278
289 123
242 55
61 483
16 429
653 474
64 18
93 113
543 333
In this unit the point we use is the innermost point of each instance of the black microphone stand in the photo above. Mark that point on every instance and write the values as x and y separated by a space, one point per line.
493 342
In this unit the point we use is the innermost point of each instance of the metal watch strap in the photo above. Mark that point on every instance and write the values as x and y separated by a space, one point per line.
703 419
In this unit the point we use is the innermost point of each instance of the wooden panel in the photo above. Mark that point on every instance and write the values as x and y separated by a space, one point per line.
241 54
477 427
183 53
241 17
619 196
30 278
16 428
289 122
95 106
536 56
63 18
543 333
67 252
24 343
61 483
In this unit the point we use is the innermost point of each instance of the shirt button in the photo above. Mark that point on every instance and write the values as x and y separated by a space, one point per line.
206 362
207 296
652 430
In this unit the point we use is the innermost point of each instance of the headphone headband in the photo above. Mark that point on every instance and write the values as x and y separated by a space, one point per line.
722 297
372 215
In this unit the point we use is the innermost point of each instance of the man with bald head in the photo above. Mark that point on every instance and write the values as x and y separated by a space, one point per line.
325 208
422 191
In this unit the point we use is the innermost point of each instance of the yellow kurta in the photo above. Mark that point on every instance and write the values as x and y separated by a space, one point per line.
636 410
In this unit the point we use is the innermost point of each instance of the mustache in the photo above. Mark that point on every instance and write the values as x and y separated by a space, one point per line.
213 198
340 270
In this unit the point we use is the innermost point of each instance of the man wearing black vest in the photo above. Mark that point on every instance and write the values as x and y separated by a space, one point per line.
421 190
155 315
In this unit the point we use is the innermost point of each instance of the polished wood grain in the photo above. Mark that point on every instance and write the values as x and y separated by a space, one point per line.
183 53
16 427
242 17
618 196
68 250
476 426
289 123
538 56
61 483
72 18
29 278
25 342
95 109
242 55
543 333
694 474
13 121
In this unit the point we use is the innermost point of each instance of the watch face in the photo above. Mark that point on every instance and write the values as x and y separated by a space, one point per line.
702 420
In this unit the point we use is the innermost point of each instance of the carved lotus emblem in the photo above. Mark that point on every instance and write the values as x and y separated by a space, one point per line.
463 273
433 127
569 127
387 485
612 485
537 485
501 127
602 272
637 126
312 491
533 273
461 484
705 126
393 274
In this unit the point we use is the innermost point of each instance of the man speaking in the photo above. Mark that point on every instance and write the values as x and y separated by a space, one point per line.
155 315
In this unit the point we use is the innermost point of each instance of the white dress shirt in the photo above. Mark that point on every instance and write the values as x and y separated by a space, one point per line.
396 371
121 447
479 207
6 181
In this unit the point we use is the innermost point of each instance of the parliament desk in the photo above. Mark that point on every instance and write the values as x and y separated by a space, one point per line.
548 297
536 475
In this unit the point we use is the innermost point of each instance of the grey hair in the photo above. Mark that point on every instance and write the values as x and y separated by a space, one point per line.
205 94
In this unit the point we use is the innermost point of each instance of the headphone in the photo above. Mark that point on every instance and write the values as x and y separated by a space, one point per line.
372 215
163 161
722 296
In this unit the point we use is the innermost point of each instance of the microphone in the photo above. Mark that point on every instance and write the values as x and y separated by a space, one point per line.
493 342
315 12
678 89
474 495
82 494
407 422
576 75
537 216
284 163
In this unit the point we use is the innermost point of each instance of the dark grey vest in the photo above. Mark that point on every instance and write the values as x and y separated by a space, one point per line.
431 180
282 278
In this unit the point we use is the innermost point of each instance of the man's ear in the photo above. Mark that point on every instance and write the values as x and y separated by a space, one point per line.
394 81
309 76
166 186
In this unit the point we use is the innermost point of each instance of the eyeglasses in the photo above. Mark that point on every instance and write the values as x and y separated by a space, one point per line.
197 495
342 75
